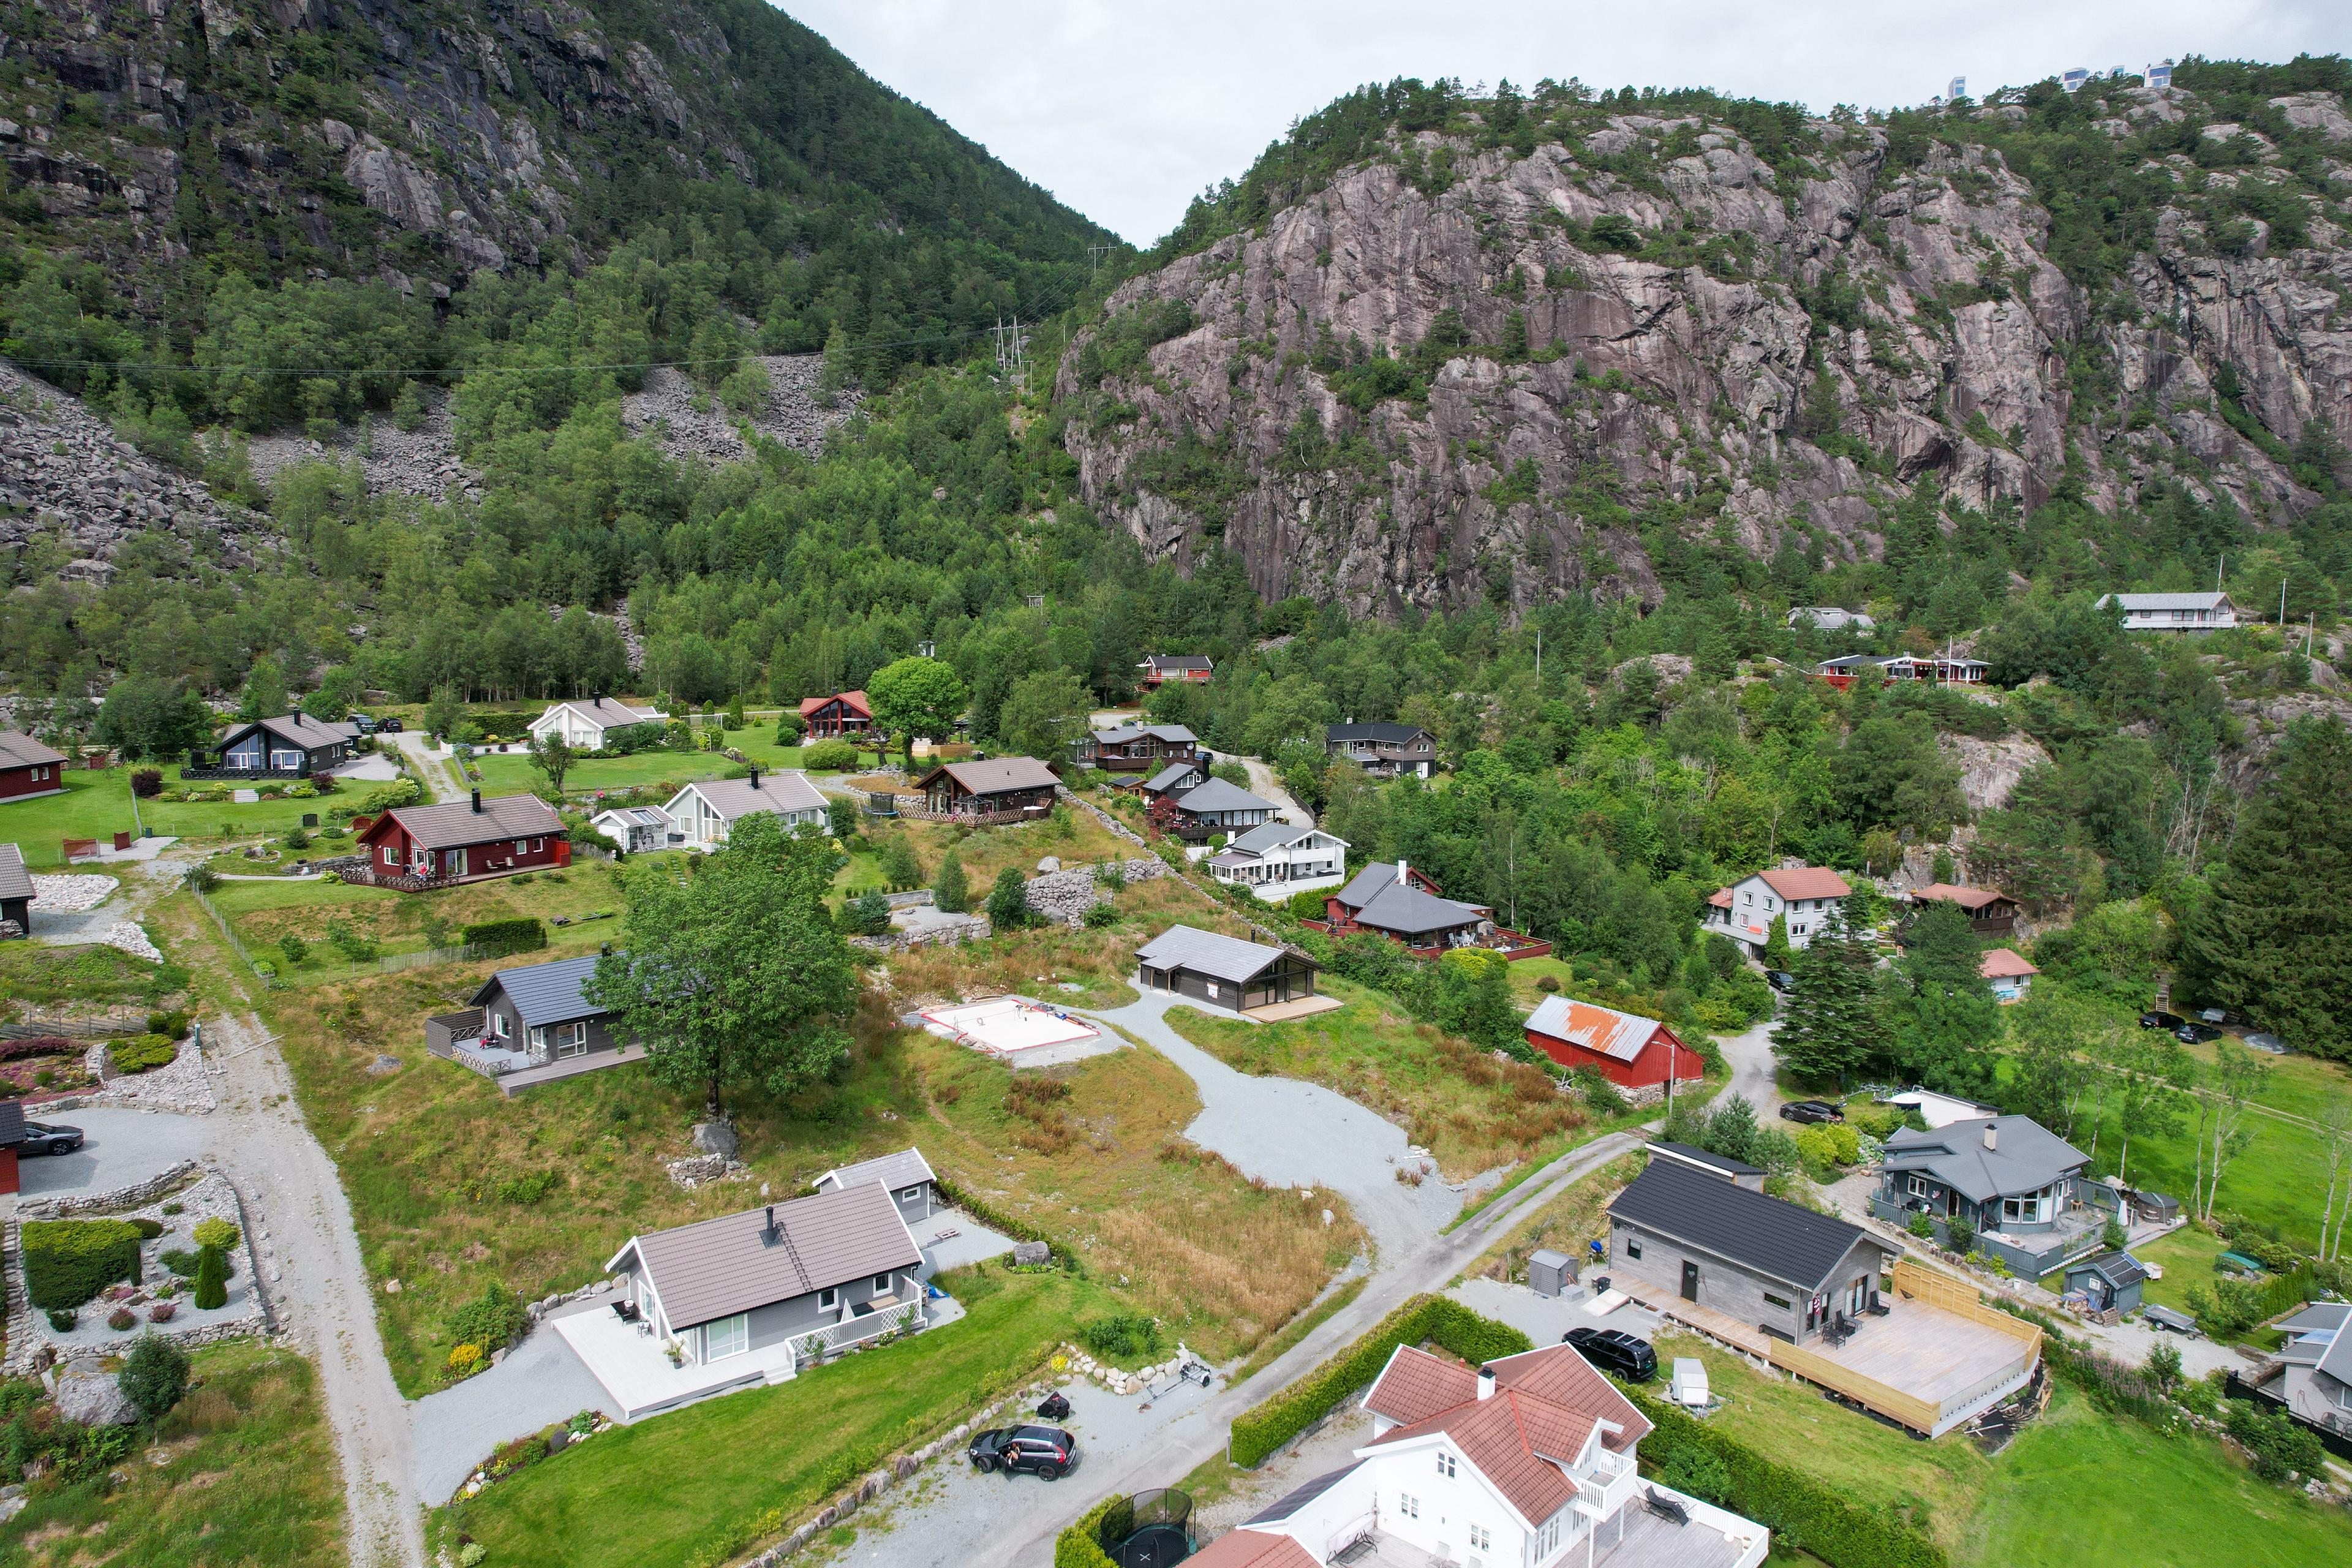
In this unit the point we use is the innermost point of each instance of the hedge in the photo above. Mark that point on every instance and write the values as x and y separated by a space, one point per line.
997 1219
1077 1547
1258 1433
68 1261
143 1053
1804 1513
497 939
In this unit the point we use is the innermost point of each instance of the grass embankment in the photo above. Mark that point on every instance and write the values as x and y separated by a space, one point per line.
97 805
1564 1225
262 913
243 1471
696 1486
1470 1111
1074 840
98 975
511 772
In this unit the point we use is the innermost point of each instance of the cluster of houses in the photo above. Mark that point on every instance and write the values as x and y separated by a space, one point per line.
1804 898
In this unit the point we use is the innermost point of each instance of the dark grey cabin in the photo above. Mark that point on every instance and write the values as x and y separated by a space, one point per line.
1222 970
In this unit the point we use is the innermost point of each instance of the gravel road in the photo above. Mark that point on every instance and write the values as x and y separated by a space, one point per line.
1749 1055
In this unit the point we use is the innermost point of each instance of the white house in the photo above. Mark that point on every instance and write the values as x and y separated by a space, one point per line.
1802 895
1279 859
704 811
1528 1462
635 829
584 724
2172 612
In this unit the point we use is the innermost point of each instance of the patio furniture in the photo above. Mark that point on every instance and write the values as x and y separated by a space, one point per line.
625 1310
1664 1506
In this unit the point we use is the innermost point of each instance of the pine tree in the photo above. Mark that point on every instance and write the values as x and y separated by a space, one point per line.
212 1279
1775 943
1950 1016
951 893
2274 938
1829 1027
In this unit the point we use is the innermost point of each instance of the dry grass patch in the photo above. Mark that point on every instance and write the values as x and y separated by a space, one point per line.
1472 1111
1100 959
1564 1225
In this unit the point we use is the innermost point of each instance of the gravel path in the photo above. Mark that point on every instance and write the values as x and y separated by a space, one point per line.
1749 1054
1266 787
541 1382
441 780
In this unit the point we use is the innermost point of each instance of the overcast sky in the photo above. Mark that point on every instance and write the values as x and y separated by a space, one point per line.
1127 109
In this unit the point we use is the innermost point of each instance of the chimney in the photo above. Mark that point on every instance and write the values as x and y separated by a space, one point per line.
767 1232
755 775
478 803
1486 1382
1992 1136
604 949
1402 869
600 700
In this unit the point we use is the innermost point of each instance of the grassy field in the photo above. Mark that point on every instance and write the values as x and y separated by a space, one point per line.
94 974
698 1485
243 1472
97 805
261 913
1469 1110
1074 840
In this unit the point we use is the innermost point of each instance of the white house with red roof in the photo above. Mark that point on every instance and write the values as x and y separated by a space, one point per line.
1805 896
2009 974
1526 1462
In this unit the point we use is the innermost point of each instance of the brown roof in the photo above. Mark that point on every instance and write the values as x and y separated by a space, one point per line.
855 701
299 728
2001 963
1546 1407
998 775
1806 882
18 750
1247 1548
1947 892
717 1268
456 823
14 881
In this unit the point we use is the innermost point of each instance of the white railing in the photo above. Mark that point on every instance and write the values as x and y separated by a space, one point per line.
855 1331
1614 1480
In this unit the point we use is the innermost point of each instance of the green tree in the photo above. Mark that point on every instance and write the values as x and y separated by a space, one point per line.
1890 773
150 717
1008 902
733 973
551 754
1829 1027
2274 938
1044 714
444 711
212 1279
154 1375
916 700
264 696
2153 1079
1950 1016
951 892
900 866
1775 943
2051 1073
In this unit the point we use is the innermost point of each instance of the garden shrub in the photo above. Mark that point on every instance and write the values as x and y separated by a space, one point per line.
216 1232
122 1320
400 792
1079 1544
143 1053
149 1228
493 1320
63 1319
154 1375
147 782
2279 1444
1124 1337
1260 1432
212 1280
499 938
68 1262
180 1262
830 756
172 1026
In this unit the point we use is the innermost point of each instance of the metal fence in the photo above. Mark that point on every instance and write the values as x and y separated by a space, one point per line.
228 934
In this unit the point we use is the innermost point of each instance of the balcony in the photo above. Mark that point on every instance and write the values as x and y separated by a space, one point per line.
819 1343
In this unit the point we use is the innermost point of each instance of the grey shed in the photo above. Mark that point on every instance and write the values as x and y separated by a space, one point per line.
1549 1272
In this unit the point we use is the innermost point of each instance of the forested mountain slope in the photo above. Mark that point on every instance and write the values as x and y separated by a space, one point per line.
1436 349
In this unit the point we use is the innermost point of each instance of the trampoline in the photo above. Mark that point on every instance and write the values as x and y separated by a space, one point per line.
1150 1530
1005 1026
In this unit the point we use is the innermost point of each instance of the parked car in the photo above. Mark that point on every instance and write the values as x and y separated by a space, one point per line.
2270 1045
2156 1019
1049 1452
50 1138
1613 1349
2196 1033
1810 1110
1778 979
363 724
388 726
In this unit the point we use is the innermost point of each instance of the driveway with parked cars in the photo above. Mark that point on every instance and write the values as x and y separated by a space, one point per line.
118 1148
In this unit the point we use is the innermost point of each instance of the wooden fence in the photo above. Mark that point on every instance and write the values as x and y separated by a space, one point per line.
1920 1283
1919 1415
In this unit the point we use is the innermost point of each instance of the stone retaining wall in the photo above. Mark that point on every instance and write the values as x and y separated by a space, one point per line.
131 1197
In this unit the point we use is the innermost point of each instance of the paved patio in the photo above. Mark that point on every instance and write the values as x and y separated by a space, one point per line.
628 1361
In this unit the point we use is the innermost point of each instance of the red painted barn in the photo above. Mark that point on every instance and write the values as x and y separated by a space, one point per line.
466 841
1628 1050
830 718
27 767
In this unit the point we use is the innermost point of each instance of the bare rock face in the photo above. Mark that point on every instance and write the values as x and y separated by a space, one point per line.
1990 768
1837 334
422 462
91 1396
794 412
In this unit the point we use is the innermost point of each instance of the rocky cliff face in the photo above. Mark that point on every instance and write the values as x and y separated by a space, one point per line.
1710 346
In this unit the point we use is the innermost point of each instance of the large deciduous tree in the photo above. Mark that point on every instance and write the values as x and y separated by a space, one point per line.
1944 1025
733 975
1043 715
917 698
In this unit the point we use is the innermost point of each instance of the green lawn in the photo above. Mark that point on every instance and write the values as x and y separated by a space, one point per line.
97 805
509 772
248 1475
699 1485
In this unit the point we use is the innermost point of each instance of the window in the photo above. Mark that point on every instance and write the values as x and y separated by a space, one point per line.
571 1039
1408 1505
727 1336
1481 1539
522 846
501 1028
1773 1300
538 1038
2028 1209
911 1194
1444 1464
1632 1246
1548 1538
1800 930
881 1284
1921 1188
826 1301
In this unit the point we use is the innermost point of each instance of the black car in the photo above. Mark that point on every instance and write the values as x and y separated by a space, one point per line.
1810 1110
49 1138
1049 1452
1778 979
2156 1019
388 726
2196 1033
1613 1349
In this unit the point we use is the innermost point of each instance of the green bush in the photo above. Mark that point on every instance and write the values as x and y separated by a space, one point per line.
498 939
68 1262
212 1279
1078 1546
491 1319
829 757
143 1053
1258 1433
400 792
216 1232
148 1228
63 1319
172 1026
1126 1338
1101 913
998 1220
154 1375
1804 1513
180 1262
1310 905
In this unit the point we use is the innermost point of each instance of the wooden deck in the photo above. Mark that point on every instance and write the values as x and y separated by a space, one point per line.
1746 1338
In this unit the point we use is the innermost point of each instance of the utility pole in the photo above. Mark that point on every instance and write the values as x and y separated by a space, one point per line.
1095 254
1010 342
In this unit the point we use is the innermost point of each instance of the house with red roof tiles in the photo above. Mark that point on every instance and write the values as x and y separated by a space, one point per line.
1529 1461
2010 975
1804 896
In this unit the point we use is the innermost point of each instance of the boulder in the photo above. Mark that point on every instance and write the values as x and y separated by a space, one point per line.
93 1397
716 1138
1028 1252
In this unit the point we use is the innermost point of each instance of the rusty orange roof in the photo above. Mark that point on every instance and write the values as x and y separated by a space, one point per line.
1952 892
1618 1036
1805 882
2001 963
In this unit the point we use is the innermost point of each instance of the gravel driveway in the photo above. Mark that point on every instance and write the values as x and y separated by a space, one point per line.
1749 1055
120 1147
541 1382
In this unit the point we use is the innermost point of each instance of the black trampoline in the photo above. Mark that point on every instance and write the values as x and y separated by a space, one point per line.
1150 1530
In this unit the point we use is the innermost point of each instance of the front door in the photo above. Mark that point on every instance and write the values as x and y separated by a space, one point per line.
1690 1280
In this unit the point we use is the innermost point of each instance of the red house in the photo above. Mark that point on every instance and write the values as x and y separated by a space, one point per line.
27 767
1631 1051
12 1138
418 847
1158 668
830 718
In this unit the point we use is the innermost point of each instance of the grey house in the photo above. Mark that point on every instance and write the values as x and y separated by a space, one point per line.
2109 1282
1172 780
809 1275
1383 751
1222 970
292 743
2312 1372
1755 1259
2022 1187
17 892
905 1175
530 1025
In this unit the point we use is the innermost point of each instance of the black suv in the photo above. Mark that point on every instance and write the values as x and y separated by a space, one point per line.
1613 1349
1810 1110
1048 1451
2157 1018
2196 1033
1780 979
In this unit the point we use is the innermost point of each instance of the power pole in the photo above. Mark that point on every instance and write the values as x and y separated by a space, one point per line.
1095 254
1011 340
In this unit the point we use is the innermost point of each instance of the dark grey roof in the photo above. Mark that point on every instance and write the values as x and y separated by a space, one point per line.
1267 837
2026 1156
1176 661
1206 953
1724 1162
1299 1496
12 1123
2117 1268
545 993
1774 1238
1166 778
1126 733
903 1169
14 881
1384 735
457 823
18 750
1222 794
1384 902
718 1268
299 728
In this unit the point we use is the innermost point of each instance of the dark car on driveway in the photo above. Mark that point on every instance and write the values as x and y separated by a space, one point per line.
1613 1349
2156 1019
49 1138
1810 1110
1049 1452
388 726
2196 1033
1778 979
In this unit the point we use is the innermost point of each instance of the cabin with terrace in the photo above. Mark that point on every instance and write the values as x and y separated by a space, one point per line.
1216 807
532 1025
2178 613
1174 779
1001 789
1281 859
906 1175
587 725
1404 905
2025 1191
1137 748
1383 751
292 743
845 715
28 768
1227 973
17 894
1158 669
2009 975
413 848
703 812
2310 1374
1991 911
